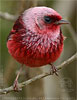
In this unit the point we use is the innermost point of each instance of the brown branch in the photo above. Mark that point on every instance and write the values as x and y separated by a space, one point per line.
21 85
8 16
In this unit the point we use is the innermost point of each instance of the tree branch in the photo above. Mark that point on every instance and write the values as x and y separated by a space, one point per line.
21 85
8 16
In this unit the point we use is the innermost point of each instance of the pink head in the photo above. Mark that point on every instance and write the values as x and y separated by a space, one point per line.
43 20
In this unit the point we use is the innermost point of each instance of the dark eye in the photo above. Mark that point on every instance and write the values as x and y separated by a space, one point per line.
47 19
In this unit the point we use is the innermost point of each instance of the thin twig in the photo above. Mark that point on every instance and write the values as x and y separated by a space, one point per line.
21 85
8 16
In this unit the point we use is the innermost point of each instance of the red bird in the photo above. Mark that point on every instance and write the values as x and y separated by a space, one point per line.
36 38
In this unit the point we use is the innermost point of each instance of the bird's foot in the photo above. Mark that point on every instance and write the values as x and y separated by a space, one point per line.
16 87
53 70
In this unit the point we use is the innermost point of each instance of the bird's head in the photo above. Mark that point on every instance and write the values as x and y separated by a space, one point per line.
43 20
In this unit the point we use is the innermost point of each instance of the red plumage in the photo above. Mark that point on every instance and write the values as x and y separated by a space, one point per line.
36 38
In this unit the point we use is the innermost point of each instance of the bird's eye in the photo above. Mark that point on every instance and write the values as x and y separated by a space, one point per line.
47 19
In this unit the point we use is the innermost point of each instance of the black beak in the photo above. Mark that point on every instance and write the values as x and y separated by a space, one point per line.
62 21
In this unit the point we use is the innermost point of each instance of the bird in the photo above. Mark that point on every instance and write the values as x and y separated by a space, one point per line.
36 38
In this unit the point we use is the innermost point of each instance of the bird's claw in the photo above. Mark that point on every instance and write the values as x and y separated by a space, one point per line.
16 87
54 70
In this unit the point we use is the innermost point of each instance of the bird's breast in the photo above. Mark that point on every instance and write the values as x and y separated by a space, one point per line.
33 50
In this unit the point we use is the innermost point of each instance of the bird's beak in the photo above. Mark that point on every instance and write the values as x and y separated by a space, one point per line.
62 21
